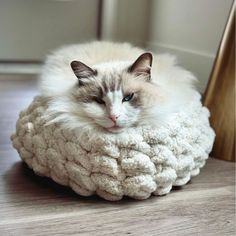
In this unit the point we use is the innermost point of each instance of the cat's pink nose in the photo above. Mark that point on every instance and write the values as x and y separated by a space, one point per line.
114 117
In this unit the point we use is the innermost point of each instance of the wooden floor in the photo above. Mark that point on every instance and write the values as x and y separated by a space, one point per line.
31 205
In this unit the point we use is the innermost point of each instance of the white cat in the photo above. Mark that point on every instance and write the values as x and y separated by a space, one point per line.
113 86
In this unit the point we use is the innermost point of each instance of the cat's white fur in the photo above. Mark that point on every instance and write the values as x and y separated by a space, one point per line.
175 86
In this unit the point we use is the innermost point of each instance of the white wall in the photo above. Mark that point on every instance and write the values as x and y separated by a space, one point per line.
126 20
30 28
190 29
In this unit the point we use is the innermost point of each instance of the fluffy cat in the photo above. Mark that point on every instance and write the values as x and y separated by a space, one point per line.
113 86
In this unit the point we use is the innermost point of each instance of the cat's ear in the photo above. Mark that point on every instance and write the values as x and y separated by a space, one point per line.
142 66
82 71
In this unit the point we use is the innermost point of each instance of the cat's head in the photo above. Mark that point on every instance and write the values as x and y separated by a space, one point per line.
113 95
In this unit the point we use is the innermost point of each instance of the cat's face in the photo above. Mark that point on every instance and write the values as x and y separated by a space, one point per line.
114 95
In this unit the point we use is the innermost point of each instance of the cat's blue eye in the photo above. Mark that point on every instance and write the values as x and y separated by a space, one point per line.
128 97
99 100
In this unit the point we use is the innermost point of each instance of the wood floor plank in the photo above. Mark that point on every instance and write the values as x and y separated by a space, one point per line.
33 205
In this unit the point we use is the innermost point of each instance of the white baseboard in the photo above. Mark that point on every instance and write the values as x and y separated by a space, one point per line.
198 62
20 68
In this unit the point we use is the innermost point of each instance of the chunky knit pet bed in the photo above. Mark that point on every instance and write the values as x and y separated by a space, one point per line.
136 163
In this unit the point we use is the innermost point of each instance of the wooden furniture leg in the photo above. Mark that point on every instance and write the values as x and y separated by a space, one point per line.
219 96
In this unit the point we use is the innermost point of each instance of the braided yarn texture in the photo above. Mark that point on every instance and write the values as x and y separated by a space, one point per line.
137 163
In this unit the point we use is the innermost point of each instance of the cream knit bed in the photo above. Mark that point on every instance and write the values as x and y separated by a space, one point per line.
137 163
